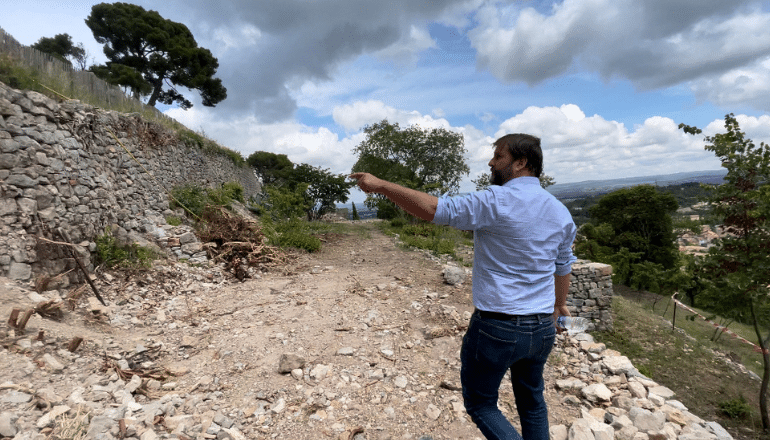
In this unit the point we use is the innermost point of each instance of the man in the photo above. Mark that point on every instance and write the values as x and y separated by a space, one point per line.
522 264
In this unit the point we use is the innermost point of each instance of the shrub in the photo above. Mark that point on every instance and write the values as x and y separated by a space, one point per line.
300 240
196 140
16 76
190 197
112 254
736 408
194 198
293 232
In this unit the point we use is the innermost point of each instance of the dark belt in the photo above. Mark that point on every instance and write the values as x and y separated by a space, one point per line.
538 317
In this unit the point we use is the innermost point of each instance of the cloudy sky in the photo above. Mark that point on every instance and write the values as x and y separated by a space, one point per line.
604 83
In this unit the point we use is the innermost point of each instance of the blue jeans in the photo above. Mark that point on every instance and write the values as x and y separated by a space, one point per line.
490 348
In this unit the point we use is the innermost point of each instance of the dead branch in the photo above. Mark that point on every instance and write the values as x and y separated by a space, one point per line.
73 252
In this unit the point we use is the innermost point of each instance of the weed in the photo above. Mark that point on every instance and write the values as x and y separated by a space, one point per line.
293 233
173 220
16 76
194 199
299 240
196 140
736 408
441 240
113 254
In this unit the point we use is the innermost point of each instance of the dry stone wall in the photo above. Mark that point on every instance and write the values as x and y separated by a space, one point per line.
63 175
590 290
590 293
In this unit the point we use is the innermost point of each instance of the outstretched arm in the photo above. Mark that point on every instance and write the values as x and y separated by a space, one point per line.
417 203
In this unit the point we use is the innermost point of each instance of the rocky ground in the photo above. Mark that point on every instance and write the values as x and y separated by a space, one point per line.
358 341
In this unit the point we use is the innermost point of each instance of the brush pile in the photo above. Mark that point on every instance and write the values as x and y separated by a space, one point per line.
237 241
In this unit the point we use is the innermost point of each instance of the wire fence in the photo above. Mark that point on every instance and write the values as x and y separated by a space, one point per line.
68 82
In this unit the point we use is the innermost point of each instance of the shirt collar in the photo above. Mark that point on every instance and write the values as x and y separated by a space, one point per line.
523 180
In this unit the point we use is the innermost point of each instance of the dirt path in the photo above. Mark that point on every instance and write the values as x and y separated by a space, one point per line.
376 327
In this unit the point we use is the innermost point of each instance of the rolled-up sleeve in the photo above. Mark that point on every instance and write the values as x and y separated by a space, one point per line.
442 213
565 257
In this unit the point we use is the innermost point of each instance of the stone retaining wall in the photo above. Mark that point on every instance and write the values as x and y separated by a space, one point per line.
63 176
590 293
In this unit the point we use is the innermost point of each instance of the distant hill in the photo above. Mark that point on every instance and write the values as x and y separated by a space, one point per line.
577 190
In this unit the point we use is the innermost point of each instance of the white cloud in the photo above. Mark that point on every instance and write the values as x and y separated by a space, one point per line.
749 85
406 50
591 148
236 37
576 147
301 144
653 43
360 113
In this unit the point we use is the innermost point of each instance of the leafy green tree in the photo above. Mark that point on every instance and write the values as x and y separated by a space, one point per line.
594 242
737 267
321 189
647 276
324 189
355 213
274 169
285 203
640 216
146 51
62 47
429 160
628 227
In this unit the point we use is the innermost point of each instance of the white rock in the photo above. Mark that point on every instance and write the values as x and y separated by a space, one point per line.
656 400
719 431
148 435
320 371
570 384
52 363
36 297
647 421
49 417
662 392
637 389
134 384
8 424
400 382
581 430
346 351
618 364
278 406
597 392
558 432
433 412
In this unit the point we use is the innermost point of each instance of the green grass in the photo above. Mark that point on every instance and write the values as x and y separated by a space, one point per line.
112 254
684 359
441 240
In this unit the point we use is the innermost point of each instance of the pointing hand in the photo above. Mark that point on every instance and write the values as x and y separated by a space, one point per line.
367 182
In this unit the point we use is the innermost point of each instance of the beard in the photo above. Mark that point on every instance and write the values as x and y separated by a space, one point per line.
496 178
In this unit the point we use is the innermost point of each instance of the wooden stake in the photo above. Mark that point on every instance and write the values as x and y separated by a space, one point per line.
23 321
74 344
87 276
13 318
80 265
